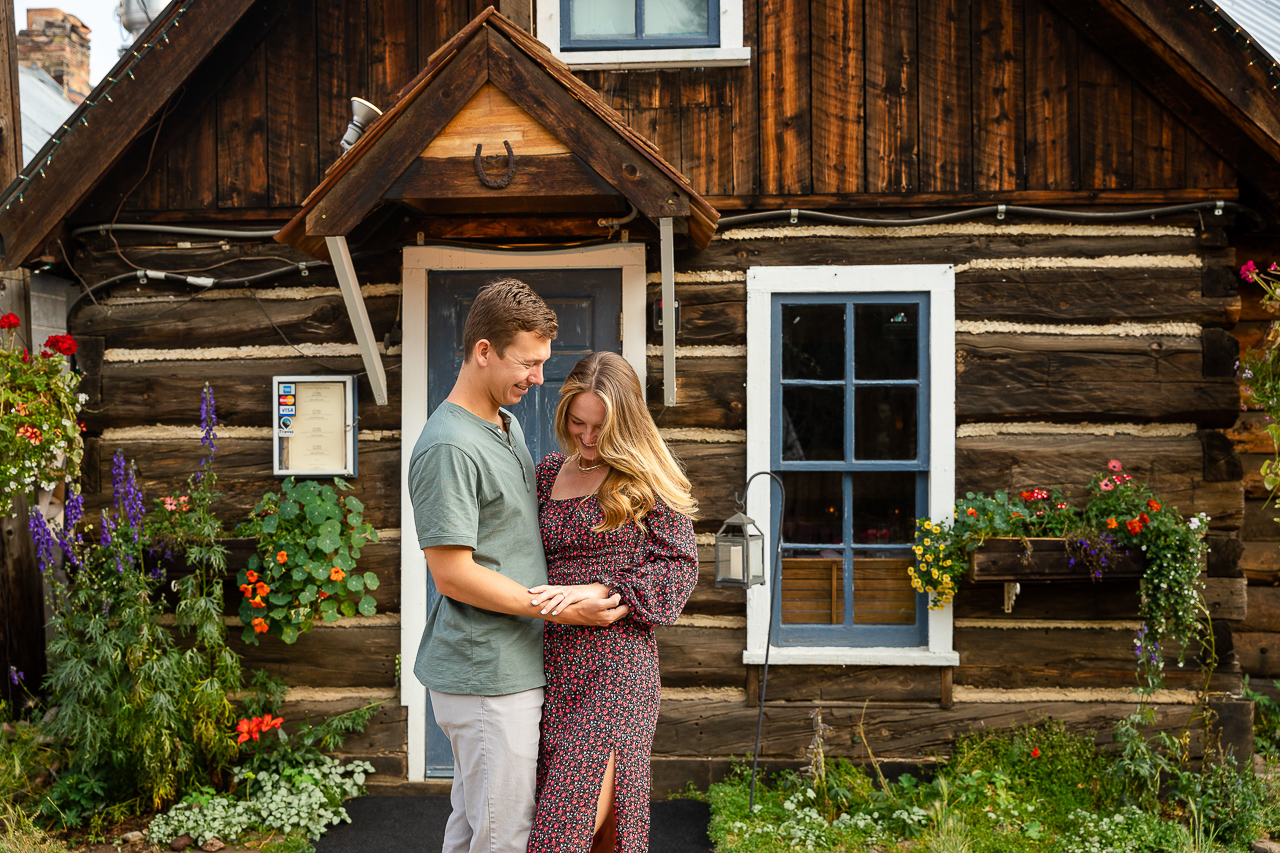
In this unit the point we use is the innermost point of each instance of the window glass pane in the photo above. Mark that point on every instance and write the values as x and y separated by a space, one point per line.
884 507
885 341
812 423
814 511
674 17
603 19
813 342
882 593
813 589
884 422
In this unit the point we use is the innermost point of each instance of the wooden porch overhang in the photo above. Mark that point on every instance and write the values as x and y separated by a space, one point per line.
493 85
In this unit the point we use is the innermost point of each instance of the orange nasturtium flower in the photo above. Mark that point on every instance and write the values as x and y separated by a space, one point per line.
259 625
263 589
1112 524
247 589
282 556
971 511
251 576
337 574
257 601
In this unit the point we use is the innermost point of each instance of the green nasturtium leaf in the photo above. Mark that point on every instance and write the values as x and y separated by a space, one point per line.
270 524
316 513
343 561
368 606
289 633
354 504
370 580
289 510
355 583
307 596
331 616
348 608
319 571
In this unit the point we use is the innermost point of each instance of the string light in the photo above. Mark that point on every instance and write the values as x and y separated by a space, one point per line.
1257 54
21 182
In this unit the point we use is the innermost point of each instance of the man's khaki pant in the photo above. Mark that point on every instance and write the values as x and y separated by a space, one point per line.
495 765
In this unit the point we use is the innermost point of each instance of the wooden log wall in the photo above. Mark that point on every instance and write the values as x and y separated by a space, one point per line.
846 103
1059 311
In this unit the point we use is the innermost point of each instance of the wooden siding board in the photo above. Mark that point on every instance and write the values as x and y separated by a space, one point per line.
838 91
746 110
706 129
193 164
892 105
242 135
1106 123
946 98
1159 144
1052 99
293 128
342 66
785 150
392 48
1205 168
998 113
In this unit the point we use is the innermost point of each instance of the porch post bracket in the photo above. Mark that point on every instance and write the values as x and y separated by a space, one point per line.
496 183
340 254
667 251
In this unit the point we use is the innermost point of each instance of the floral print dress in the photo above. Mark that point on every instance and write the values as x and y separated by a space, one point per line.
602 683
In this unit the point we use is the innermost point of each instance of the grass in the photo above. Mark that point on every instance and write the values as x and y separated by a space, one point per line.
1028 790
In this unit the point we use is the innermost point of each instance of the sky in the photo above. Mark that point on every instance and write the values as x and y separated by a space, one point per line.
100 17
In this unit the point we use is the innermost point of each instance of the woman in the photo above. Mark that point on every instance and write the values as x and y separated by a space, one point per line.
616 511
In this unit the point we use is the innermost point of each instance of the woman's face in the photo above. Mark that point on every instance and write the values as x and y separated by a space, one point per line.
586 419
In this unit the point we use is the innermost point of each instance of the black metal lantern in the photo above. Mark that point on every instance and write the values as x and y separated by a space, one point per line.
739 552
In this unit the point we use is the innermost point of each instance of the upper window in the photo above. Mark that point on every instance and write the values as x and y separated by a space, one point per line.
619 34
851 402
597 24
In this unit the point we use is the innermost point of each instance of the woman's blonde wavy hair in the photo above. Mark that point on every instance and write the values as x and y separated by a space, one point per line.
643 469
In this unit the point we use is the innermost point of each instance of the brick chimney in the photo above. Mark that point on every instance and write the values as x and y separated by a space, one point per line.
58 44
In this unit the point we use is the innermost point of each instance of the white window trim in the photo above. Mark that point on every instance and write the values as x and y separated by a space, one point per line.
629 257
939 281
730 52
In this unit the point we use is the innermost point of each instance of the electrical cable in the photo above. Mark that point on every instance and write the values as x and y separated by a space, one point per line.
105 229
1000 210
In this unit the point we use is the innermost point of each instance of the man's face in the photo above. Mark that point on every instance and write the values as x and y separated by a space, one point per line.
510 376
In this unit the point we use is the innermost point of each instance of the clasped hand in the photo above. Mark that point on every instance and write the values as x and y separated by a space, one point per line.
578 604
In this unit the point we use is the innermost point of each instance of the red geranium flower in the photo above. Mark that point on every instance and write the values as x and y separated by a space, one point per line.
1035 752
64 344
1134 525
10 321
1153 505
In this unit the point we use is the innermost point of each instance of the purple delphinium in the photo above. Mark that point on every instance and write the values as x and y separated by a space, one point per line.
208 419
46 547
16 675
128 496
68 536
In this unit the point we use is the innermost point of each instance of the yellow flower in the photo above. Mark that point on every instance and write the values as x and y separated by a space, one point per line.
926 542
946 562
928 558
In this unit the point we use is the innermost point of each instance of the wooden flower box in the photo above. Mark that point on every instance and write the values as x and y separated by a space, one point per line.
1041 561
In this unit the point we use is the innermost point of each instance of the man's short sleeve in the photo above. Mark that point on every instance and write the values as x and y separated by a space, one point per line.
443 484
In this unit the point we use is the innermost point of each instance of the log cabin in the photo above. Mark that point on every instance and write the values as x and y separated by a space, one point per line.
1024 213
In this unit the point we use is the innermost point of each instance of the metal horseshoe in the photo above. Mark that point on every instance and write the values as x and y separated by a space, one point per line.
496 183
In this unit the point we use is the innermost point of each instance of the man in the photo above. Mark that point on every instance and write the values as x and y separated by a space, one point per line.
471 480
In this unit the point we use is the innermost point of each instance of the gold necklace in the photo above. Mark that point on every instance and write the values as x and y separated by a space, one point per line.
589 469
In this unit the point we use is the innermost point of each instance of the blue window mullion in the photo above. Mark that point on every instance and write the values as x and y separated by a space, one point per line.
847 533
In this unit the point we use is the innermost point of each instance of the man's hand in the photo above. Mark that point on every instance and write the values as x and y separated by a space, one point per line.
553 598
593 612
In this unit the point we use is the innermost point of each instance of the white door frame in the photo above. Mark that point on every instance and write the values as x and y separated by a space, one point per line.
629 258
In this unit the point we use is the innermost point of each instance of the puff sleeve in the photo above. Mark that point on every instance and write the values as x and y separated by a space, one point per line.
664 572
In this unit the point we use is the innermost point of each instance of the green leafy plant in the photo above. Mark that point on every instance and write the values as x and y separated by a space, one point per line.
1120 515
308 541
141 696
40 442
1266 720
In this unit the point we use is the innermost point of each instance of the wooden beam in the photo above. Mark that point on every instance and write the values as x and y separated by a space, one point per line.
536 176
616 159
11 159
86 154
350 285
369 178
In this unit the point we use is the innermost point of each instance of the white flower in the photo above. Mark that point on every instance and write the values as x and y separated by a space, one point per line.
1194 522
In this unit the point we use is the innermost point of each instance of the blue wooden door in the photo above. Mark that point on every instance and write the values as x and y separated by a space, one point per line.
588 306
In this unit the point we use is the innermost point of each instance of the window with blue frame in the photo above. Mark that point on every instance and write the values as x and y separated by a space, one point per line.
850 439
613 24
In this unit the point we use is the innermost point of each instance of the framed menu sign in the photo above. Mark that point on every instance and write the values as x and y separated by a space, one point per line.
314 426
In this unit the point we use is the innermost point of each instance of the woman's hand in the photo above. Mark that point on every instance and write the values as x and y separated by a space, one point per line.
552 598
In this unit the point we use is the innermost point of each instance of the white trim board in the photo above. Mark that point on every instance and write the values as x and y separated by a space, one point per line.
629 257
939 281
730 52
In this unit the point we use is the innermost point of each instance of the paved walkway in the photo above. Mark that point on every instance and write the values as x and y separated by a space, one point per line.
388 824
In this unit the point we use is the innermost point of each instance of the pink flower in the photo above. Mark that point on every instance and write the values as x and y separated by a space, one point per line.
1106 485
1248 271
1114 465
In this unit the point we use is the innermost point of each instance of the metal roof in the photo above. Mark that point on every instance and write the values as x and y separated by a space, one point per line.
44 109
1261 18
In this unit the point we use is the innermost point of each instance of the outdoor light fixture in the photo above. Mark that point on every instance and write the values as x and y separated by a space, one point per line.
740 562
362 115
739 552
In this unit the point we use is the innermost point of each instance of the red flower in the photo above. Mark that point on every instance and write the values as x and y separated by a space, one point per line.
1153 505
10 321
1114 465
971 511
64 344
1035 752
247 589
260 625
262 588
269 722
1134 525
1142 516
249 727
1112 524
251 576
257 602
